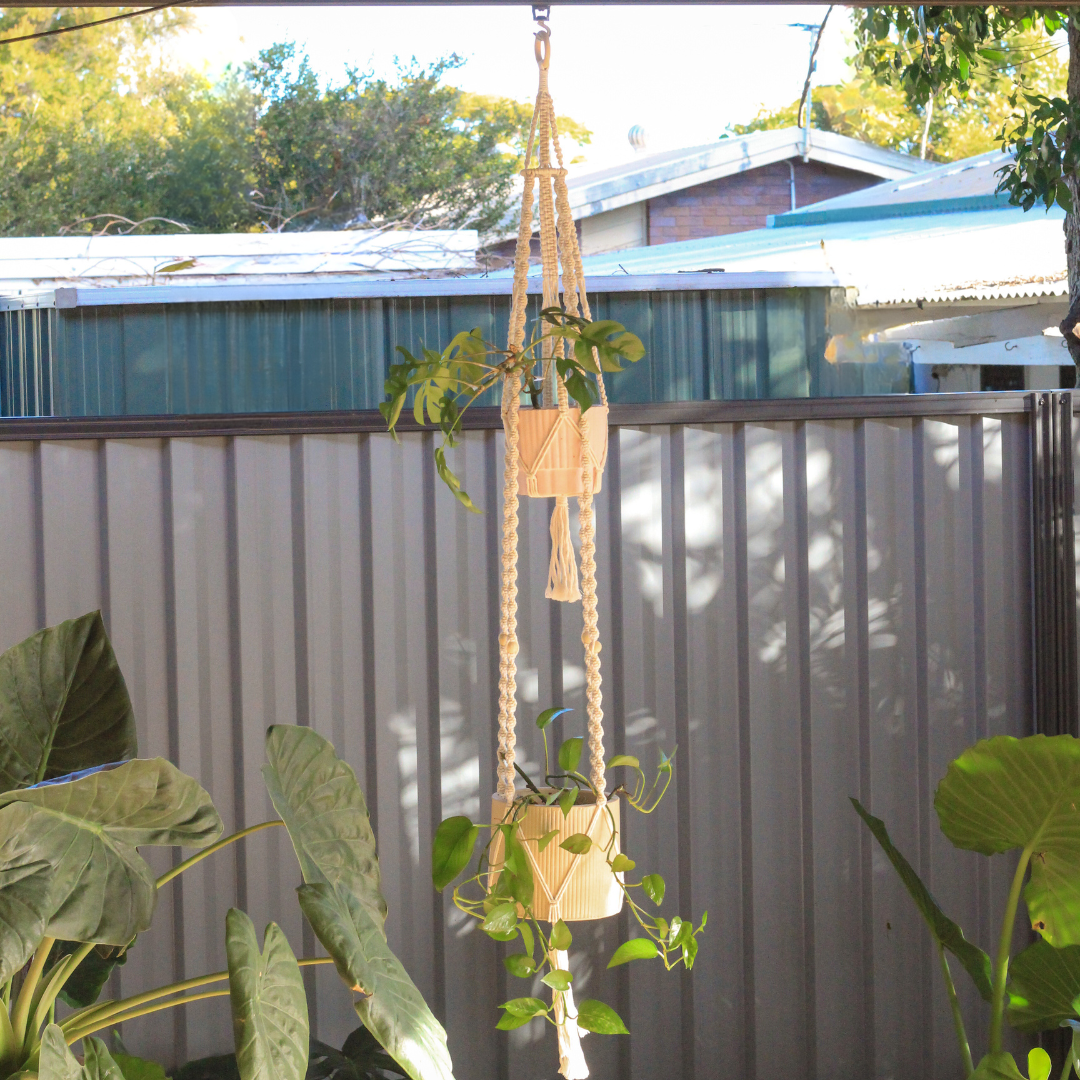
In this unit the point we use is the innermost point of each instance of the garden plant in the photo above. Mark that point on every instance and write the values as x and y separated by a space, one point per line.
76 804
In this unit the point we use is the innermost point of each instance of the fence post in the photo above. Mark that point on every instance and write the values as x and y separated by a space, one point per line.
1053 563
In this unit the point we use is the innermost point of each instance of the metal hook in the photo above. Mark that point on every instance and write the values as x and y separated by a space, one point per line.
542 46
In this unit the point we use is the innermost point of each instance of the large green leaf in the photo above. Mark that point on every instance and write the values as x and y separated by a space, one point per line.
63 704
974 960
84 985
68 864
391 1008
318 798
269 1006
57 1062
997 1067
1006 793
1044 987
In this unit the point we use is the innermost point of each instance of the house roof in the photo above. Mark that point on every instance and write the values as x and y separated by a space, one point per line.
980 255
957 186
32 263
658 174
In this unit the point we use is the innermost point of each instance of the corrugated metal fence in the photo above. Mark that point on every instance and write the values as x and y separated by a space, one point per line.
810 607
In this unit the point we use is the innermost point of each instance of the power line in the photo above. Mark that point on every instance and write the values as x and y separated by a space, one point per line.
84 26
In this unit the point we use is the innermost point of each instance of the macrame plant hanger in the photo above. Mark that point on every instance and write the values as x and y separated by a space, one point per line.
554 451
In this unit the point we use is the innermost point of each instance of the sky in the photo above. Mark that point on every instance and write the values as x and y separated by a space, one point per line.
682 73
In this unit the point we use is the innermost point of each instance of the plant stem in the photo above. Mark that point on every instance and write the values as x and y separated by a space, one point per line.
44 1004
199 856
1001 964
1068 1067
958 1017
26 993
97 1023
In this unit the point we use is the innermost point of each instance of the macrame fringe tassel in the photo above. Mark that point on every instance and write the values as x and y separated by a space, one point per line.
572 1063
562 572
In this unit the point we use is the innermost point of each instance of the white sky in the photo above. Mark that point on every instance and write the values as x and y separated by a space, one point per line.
683 73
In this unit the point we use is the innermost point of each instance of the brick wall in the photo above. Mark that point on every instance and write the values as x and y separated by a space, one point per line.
737 203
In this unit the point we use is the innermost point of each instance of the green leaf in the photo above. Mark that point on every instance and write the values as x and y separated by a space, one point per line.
69 868
517 862
524 1006
1039 1064
560 937
620 864
568 800
392 1009
520 965
570 754
558 979
974 960
577 844
269 1006
137 1068
84 985
654 887
997 1067
624 759
1044 987
502 918
546 839
1006 793
641 948
318 798
63 704
509 1021
57 1062
600 1018
548 715
452 849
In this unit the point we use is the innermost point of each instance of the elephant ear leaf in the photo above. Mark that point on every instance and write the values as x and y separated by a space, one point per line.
57 1062
1044 987
390 1006
269 1006
318 798
1005 793
997 1067
69 868
976 963
63 704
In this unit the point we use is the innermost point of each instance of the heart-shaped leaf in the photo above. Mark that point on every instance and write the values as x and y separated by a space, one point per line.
519 965
524 1006
69 868
997 1067
621 863
451 850
654 887
546 839
558 979
1006 793
560 937
57 1062
548 715
577 844
1044 987
269 1006
624 759
641 948
318 798
1039 1064
501 919
974 960
601 1018
570 754
63 704
392 1009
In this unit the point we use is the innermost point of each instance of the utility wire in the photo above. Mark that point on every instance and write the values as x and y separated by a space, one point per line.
84 26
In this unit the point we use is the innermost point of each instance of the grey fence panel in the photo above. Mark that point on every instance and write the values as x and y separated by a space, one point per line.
811 610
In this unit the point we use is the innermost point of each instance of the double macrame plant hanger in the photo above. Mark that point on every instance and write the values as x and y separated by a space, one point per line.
555 451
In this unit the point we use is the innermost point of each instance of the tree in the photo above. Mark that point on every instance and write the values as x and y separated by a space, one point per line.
940 52
879 112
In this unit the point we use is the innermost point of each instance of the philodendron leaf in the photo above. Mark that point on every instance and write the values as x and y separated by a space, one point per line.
390 1007
269 1006
1039 1064
1006 793
68 864
974 960
641 948
318 798
83 987
1044 987
451 850
63 704
57 1062
997 1067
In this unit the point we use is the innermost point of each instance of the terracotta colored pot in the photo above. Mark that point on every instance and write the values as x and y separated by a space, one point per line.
550 448
583 885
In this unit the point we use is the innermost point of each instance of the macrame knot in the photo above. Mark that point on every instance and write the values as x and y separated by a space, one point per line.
562 571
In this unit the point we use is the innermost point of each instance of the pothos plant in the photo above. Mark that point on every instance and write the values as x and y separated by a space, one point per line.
445 384
1001 795
502 902
76 806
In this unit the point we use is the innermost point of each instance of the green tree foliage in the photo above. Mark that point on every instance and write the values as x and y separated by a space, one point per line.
965 120
98 123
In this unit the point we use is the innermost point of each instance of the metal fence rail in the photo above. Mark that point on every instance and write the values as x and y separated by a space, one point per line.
812 604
